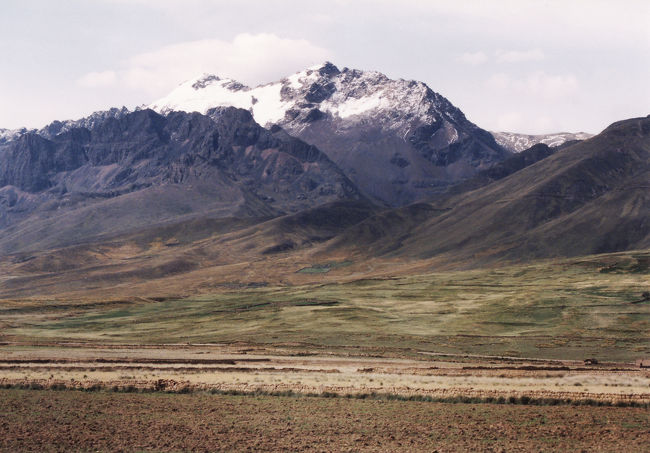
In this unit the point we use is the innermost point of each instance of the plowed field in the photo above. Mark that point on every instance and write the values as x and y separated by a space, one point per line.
32 420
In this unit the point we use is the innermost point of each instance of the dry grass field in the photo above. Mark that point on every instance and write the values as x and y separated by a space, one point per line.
247 369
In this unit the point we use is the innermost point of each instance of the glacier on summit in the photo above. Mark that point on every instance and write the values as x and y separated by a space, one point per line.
342 94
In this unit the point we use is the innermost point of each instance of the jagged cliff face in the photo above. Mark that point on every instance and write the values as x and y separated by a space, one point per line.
145 168
396 139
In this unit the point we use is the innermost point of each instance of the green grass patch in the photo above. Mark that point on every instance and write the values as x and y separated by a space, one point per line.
324 267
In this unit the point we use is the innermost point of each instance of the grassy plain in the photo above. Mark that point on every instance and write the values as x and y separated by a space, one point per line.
563 309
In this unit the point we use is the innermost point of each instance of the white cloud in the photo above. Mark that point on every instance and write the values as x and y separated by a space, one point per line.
98 79
517 56
538 84
249 58
473 58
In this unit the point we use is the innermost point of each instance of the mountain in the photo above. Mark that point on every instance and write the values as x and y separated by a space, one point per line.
352 169
220 206
591 197
519 142
397 140
120 171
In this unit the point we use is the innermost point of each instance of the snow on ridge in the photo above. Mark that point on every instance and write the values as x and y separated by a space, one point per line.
347 94
519 142
199 95
302 78
6 135
373 92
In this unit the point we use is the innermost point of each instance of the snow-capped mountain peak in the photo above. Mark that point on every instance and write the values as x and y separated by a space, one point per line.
372 126
317 90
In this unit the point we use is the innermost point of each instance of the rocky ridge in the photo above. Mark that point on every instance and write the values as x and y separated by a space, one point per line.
145 168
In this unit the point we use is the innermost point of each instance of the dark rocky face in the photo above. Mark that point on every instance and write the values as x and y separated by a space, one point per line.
123 155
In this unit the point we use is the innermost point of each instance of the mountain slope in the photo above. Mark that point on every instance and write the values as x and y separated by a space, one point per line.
503 169
397 140
592 197
140 169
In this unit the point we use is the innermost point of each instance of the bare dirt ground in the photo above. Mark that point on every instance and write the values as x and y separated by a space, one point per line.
34 420
249 368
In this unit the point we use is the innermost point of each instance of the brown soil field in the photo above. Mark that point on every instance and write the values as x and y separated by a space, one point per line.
32 420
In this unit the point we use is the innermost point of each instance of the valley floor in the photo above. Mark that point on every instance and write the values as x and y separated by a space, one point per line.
538 356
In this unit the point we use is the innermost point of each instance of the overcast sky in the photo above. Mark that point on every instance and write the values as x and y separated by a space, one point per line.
515 65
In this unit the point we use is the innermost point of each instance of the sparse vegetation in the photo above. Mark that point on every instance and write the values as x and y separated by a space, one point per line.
458 399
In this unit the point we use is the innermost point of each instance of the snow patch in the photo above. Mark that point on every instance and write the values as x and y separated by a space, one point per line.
269 107
356 106
302 78
215 93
